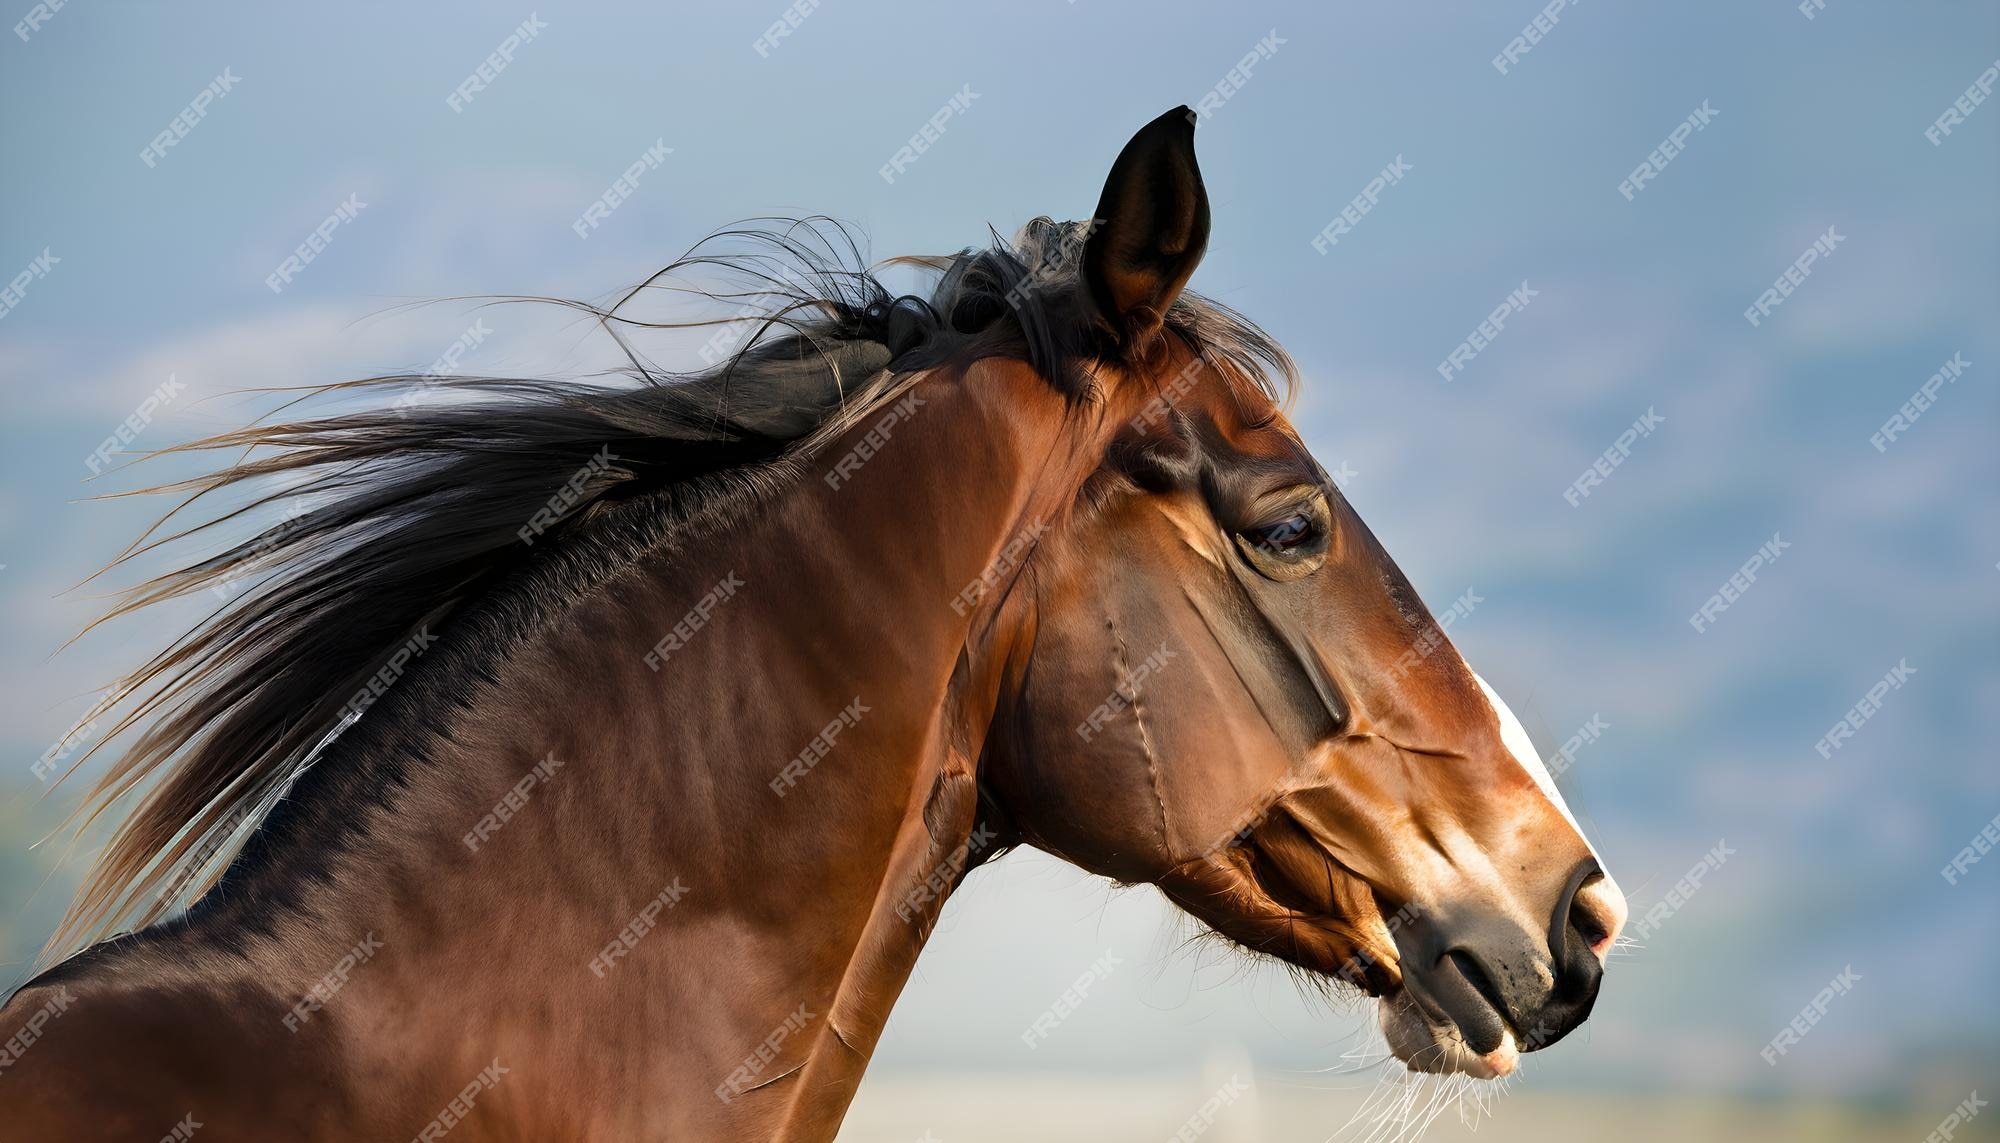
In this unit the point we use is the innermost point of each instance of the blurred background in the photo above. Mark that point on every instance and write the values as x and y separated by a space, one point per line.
157 289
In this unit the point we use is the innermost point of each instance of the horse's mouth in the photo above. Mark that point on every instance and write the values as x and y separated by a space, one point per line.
1447 1022
1434 1042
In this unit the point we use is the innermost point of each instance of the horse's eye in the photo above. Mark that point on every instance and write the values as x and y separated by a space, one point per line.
1291 546
1287 538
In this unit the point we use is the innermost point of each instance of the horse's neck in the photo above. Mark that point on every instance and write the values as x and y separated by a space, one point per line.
763 771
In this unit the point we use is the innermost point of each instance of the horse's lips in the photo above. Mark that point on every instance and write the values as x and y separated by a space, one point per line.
1483 1026
1436 1019
1426 1039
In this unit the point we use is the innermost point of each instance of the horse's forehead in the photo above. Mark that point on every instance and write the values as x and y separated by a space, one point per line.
1235 414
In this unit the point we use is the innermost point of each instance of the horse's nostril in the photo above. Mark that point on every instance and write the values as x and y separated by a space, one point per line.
1559 998
1573 918
1583 921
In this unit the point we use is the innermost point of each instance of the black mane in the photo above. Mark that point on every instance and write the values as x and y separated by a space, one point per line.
423 518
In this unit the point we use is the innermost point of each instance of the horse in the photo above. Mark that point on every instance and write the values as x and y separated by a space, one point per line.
592 759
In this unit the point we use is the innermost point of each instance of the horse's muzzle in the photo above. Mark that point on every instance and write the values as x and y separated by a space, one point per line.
1485 989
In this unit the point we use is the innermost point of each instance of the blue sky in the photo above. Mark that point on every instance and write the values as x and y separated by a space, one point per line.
1819 123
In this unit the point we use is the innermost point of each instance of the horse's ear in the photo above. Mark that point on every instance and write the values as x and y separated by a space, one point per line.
1149 231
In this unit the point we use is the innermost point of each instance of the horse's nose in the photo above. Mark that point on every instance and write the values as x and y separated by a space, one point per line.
1507 987
1545 1004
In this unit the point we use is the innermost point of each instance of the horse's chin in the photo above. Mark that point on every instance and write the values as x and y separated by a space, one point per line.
1427 1045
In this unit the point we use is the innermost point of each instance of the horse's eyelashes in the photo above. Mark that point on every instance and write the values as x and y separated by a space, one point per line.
1291 546
1285 536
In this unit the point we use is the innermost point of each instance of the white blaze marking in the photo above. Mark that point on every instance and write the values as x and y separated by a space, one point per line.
1515 738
